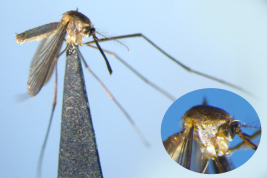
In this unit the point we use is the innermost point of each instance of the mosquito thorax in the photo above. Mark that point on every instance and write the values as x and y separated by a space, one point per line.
211 129
78 26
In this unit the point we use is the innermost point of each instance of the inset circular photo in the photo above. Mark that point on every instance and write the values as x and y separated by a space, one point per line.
211 131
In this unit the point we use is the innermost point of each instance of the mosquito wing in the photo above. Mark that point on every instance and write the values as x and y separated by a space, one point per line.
44 60
171 143
179 147
225 162
184 158
37 33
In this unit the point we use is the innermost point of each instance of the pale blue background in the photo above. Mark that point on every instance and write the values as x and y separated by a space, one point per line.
225 38
233 104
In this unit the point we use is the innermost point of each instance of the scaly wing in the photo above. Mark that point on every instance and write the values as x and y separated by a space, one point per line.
44 60
37 33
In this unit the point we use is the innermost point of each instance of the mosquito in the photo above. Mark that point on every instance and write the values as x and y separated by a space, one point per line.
205 136
75 26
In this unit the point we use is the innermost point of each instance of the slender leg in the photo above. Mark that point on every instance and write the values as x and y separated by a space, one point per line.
116 102
40 160
138 74
218 164
170 57
205 166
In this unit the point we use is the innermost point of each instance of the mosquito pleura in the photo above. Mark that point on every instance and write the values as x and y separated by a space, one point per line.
205 136
74 26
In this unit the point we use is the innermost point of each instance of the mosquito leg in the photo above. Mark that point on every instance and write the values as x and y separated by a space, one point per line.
138 74
205 166
221 170
40 160
115 40
63 51
172 58
115 101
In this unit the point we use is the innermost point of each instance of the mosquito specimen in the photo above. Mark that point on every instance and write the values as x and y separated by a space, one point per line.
76 25
206 130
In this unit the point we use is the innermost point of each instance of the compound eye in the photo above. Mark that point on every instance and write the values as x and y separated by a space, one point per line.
234 127
92 31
